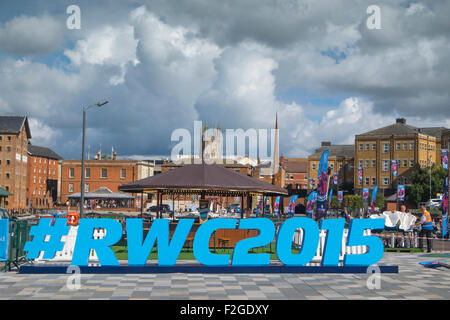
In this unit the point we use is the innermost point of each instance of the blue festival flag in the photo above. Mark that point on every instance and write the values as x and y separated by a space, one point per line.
276 207
394 167
329 200
292 202
445 208
374 198
322 182
4 232
310 204
365 195
340 196
401 193
444 154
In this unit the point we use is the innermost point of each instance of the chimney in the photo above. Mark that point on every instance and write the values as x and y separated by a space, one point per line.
326 143
401 120
115 156
259 160
99 156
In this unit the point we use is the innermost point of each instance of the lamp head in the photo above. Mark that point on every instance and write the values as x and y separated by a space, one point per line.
102 103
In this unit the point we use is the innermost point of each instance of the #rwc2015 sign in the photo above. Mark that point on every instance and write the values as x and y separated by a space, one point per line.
169 249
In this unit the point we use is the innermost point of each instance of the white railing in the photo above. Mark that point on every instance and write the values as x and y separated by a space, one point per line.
298 239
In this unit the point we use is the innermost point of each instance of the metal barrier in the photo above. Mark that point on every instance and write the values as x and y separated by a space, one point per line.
18 236
411 241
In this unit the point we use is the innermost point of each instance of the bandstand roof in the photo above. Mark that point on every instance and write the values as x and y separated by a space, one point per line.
211 179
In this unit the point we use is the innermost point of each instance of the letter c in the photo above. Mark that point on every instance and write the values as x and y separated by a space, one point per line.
201 242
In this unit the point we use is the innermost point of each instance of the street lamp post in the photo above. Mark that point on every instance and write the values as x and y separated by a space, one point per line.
98 104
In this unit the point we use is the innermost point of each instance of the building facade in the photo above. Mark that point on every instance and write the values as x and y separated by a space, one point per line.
14 136
340 161
42 177
409 145
101 173
296 172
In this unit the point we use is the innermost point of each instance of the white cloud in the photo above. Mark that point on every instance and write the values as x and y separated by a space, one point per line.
42 134
24 35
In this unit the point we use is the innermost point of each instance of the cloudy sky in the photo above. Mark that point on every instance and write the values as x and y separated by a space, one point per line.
163 64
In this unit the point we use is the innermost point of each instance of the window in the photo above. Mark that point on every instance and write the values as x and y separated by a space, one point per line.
411 146
385 147
374 146
360 146
8 162
292 176
87 173
405 163
34 179
9 138
332 166
411 163
385 165
405 146
123 173
397 146
70 187
367 180
104 173
385 181
367 146
7 176
314 166
374 181
71 172
367 163
8 149
374 163
86 187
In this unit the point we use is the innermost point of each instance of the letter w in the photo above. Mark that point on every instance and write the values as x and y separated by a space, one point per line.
168 252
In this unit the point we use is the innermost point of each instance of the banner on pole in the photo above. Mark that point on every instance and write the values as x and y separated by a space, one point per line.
360 174
331 197
4 232
310 204
340 196
276 207
444 154
322 182
401 193
445 208
292 202
365 195
374 198
394 167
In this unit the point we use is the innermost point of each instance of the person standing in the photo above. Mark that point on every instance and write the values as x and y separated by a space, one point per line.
427 229
406 222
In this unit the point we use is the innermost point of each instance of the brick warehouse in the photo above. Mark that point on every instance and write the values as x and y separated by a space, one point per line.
101 173
42 177
14 136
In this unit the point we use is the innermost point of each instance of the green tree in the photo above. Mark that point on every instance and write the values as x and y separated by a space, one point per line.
419 190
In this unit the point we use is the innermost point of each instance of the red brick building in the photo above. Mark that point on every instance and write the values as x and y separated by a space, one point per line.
296 172
14 136
100 173
42 177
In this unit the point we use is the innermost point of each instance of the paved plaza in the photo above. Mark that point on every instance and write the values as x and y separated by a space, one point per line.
412 282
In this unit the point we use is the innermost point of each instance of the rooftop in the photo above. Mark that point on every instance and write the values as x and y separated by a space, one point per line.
401 128
14 124
43 152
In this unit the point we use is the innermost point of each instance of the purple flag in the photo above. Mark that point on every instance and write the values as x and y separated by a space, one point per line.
322 181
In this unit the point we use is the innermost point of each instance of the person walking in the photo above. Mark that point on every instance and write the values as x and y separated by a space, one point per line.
427 229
